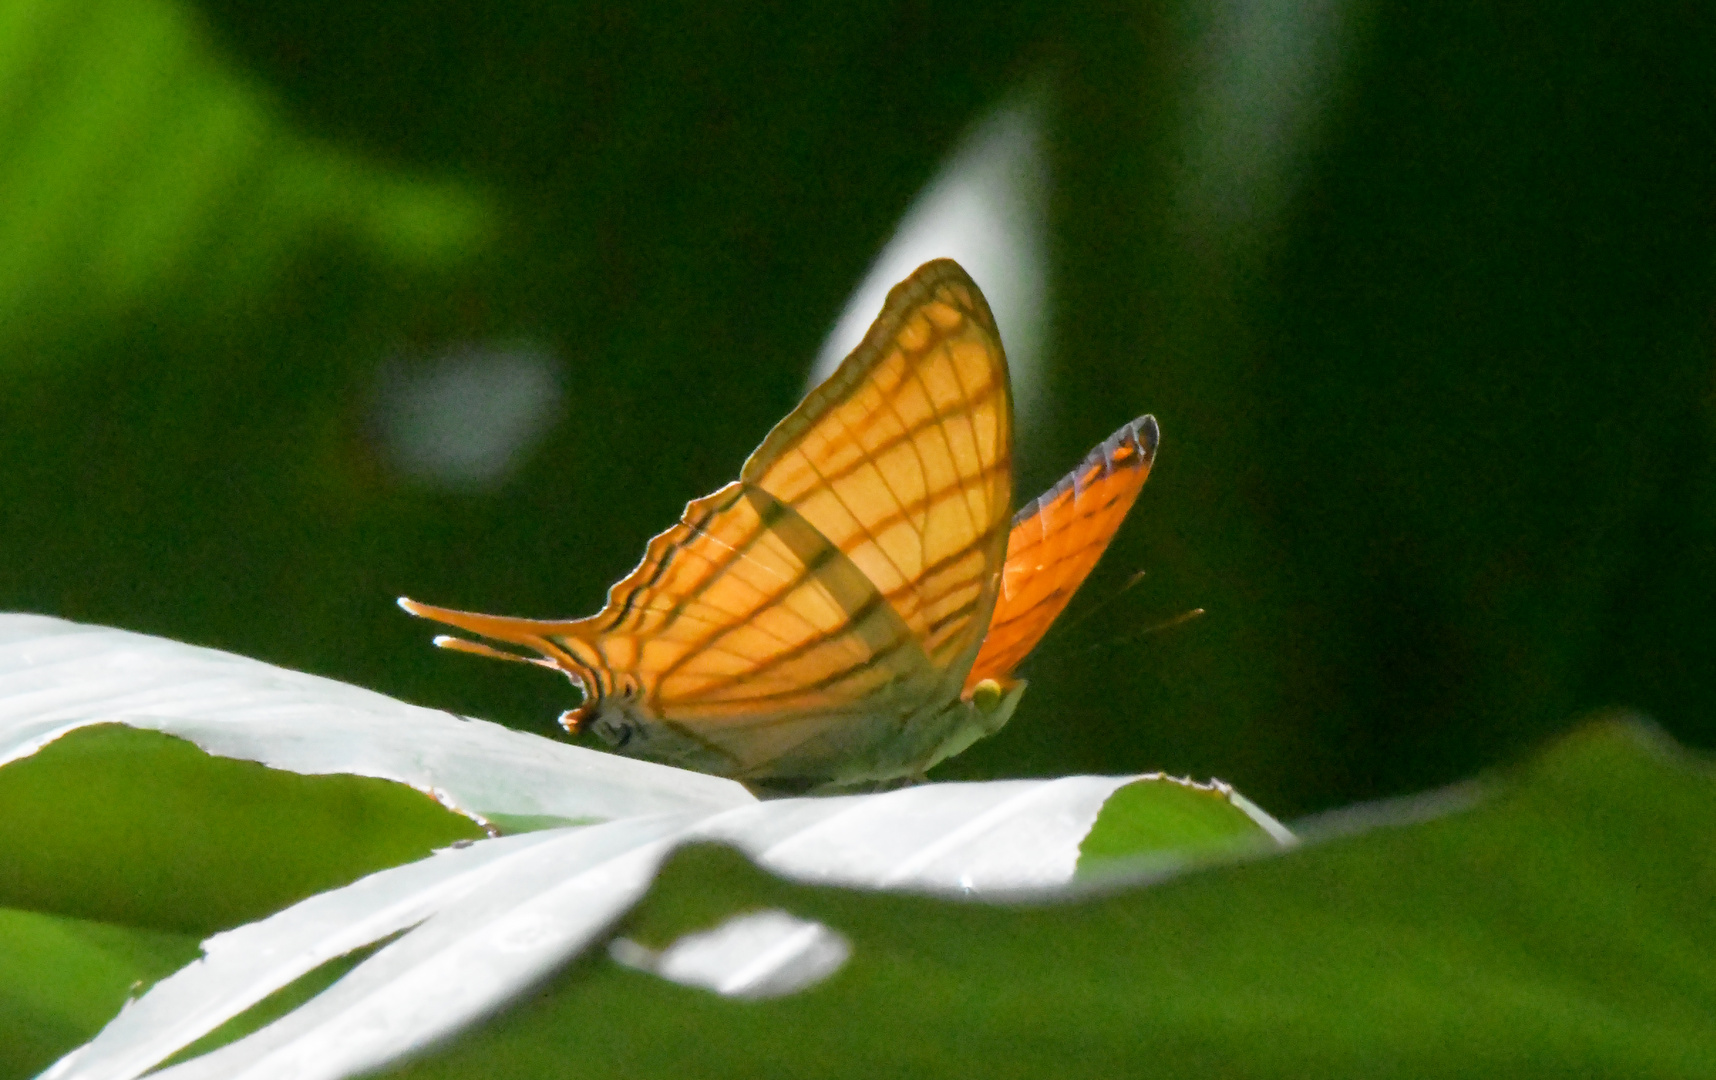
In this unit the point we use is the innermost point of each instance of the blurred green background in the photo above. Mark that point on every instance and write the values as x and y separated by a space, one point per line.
1422 298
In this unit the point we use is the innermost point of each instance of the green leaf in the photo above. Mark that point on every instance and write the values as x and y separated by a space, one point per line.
61 979
277 1004
143 829
1561 927
510 824
144 164
1160 814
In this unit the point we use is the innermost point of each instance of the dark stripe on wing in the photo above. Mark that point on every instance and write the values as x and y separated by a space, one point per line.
817 558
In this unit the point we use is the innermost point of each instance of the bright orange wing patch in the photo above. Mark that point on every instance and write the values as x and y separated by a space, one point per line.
1056 542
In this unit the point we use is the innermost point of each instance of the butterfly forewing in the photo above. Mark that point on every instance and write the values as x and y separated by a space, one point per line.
1056 541
902 459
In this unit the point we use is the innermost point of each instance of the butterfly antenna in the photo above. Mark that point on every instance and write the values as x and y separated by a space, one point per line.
1060 630
1166 624
1102 605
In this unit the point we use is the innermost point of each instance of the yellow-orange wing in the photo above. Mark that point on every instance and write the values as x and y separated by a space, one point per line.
801 620
903 459
1056 542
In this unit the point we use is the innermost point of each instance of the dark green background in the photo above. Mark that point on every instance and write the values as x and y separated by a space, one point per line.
1436 397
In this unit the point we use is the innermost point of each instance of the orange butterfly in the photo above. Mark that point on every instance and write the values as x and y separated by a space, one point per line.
851 608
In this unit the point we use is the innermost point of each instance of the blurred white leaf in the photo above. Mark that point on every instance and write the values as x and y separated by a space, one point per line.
1269 72
987 209
761 954
464 419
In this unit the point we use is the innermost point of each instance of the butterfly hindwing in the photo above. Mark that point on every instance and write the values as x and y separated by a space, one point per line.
1056 541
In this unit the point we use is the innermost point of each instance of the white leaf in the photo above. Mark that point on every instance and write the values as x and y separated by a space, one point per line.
762 954
476 925
490 919
57 676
